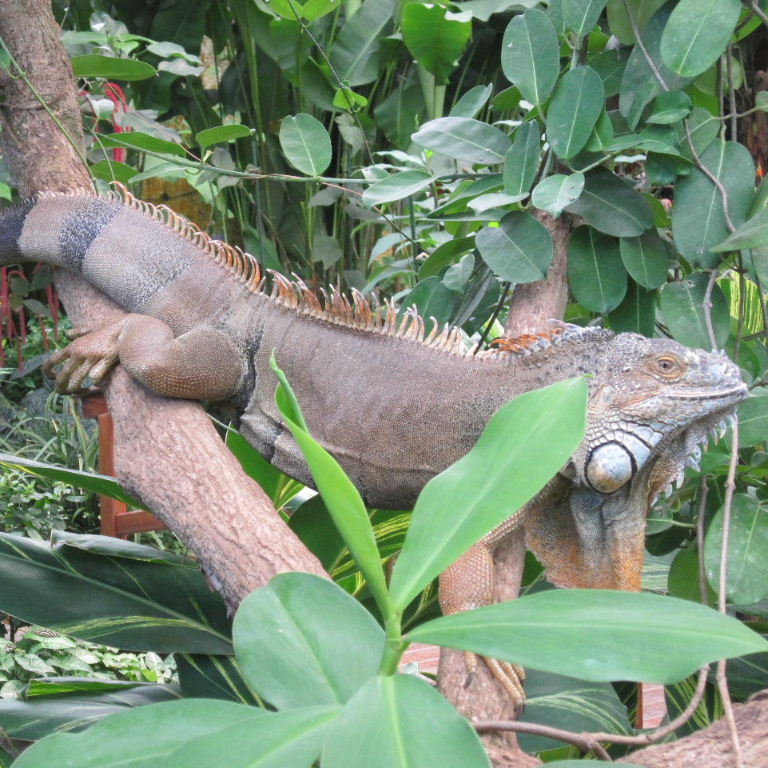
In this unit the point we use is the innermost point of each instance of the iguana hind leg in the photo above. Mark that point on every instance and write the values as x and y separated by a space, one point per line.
202 364
468 584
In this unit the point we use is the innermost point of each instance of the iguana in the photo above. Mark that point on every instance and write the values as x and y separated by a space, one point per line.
394 404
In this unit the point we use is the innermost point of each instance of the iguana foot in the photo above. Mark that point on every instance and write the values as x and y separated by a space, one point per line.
510 676
92 354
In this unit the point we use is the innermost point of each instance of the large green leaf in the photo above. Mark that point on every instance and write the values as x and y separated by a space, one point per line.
573 111
682 304
112 592
596 274
111 68
205 676
141 141
530 55
396 187
355 52
306 143
519 250
698 217
747 576
753 233
522 160
524 444
646 258
433 299
556 192
611 206
436 37
582 15
222 133
90 481
464 138
192 733
385 726
302 640
697 33
342 499
596 634
619 21
753 419
45 713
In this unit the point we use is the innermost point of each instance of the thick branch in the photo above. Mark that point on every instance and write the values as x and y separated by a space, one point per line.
168 453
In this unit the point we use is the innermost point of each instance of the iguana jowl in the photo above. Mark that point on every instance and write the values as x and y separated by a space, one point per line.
393 405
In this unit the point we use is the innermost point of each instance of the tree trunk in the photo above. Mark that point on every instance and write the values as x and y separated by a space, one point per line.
168 453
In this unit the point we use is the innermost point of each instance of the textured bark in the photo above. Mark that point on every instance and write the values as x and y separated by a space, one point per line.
168 453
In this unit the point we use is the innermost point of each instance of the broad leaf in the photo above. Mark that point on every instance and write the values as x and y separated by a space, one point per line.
302 640
595 634
111 68
596 274
383 726
698 218
753 233
521 448
530 55
682 304
445 255
306 144
753 419
52 711
611 206
206 676
697 33
669 107
747 576
519 250
522 160
192 733
221 133
646 259
573 111
396 187
472 101
112 592
432 299
636 313
436 37
555 193
141 141
355 52
464 139
582 15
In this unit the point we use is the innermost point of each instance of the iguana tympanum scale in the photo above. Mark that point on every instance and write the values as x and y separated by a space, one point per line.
393 405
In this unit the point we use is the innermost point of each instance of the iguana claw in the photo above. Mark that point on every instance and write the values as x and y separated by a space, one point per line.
510 676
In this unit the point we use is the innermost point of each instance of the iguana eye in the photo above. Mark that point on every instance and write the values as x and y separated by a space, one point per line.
669 367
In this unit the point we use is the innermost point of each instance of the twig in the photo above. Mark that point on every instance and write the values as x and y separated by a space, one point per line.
707 307
759 12
648 58
700 513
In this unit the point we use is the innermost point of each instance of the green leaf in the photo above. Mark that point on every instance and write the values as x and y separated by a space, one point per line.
682 304
519 250
472 101
521 448
697 33
432 299
646 258
354 54
436 37
596 634
753 420
611 206
141 141
620 23
596 274
463 138
306 144
89 481
555 193
221 133
341 498
268 476
530 55
75 707
753 233
445 255
581 15
112 170
192 733
670 107
112 592
747 576
302 640
522 160
698 218
346 98
208 676
383 727
316 9
396 187
683 579
636 313
111 68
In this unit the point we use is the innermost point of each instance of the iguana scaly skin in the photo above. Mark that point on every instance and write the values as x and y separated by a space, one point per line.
394 406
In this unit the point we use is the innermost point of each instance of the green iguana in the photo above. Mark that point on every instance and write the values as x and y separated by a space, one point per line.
393 404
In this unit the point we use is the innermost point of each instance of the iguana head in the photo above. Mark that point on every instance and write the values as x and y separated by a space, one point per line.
653 404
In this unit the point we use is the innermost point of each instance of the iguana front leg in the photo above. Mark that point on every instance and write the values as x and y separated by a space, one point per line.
202 364
468 584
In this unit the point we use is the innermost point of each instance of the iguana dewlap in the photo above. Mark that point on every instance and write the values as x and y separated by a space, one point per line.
393 405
